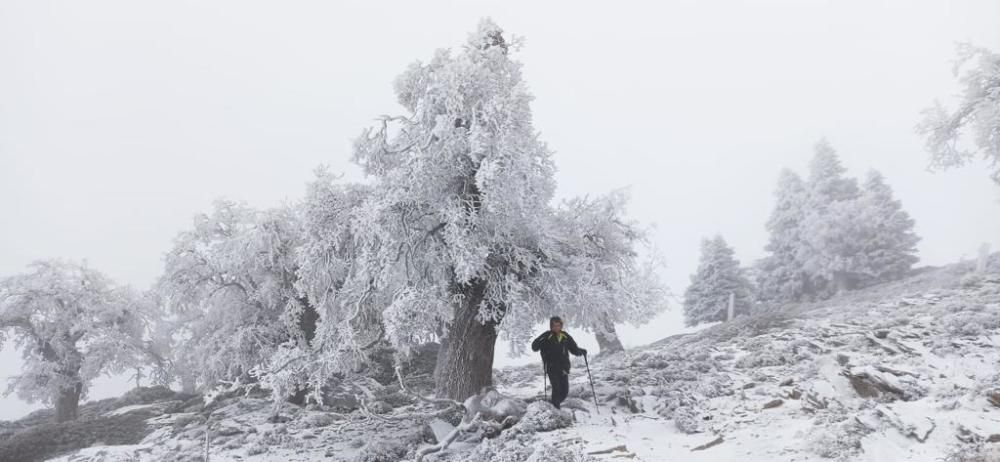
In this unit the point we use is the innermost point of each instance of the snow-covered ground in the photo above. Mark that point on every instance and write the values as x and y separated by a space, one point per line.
908 371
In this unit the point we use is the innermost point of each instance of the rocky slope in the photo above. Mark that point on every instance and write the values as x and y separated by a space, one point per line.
908 371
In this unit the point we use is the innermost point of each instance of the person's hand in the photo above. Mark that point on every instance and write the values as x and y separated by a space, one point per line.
584 350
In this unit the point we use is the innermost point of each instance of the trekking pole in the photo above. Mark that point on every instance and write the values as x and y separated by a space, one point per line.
596 408
545 381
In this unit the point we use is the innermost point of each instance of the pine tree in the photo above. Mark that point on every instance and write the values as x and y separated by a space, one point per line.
825 248
779 275
888 242
719 275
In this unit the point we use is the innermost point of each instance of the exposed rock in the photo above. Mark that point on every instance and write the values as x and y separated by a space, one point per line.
773 404
870 384
993 396
621 448
709 444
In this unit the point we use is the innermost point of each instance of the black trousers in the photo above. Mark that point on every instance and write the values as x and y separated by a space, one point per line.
560 385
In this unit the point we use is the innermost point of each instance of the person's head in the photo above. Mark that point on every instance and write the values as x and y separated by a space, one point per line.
555 324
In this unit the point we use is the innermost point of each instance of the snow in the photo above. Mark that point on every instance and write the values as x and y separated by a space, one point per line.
127 409
774 387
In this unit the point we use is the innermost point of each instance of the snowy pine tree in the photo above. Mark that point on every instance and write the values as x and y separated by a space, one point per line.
888 242
978 111
718 275
827 241
779 275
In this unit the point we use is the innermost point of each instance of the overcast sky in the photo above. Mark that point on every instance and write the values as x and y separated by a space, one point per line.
120 120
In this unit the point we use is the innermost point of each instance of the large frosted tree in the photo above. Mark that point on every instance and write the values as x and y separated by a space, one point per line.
457 225
72 324
229 282
594 251
972 129
719 276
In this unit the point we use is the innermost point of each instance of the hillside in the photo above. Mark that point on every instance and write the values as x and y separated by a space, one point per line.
906 371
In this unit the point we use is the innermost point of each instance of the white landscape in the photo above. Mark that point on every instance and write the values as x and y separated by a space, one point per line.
698 264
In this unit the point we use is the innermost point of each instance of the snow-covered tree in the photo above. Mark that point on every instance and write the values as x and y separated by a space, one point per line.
827 233
457 225
978 111
337 272
72 324
230 284
888 242
593 250
718 275
780 277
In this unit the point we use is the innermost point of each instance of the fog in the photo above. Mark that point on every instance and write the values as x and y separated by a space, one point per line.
119 121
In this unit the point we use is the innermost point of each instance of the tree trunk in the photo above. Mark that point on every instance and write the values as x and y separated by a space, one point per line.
189 384
308 319
307 323
465 361
607 338
68 403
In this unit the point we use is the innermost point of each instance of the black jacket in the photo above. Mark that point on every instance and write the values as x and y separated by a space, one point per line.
555 350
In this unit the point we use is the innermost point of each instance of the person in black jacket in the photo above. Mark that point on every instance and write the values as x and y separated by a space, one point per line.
555 345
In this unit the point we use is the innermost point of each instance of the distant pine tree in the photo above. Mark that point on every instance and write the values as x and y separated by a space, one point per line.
719 275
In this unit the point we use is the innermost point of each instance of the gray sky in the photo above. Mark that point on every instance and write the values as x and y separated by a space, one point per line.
120 120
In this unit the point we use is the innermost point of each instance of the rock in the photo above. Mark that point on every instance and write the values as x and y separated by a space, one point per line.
994 438
881 333
795 394
319 419
787 382
749 385
814 402
686 420
709 444
870 384
227 431
279 418
843 359
380 407
621 448
773 404
993 396
541 416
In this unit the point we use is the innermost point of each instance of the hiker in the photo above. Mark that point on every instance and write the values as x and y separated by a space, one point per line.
555 345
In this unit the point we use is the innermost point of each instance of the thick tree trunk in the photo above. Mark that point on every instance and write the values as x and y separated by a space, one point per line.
68 403
189 384
308 319
465 361
607 338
